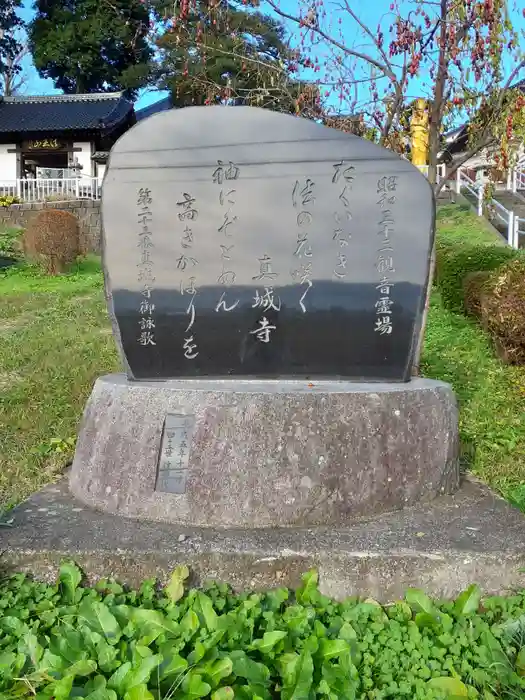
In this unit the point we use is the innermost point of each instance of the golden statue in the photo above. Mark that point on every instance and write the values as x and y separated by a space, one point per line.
419 132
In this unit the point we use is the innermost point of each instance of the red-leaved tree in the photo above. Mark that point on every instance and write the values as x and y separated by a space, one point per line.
464 56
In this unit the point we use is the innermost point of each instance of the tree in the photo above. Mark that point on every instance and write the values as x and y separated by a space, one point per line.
92 45
13 78
220 53
455 53
9 46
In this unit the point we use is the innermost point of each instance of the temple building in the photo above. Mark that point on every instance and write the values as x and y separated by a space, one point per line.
60 136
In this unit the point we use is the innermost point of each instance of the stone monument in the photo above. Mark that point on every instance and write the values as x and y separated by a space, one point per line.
266 277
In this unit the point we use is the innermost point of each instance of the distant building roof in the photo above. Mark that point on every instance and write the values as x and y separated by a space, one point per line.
456 140
100 156
96 111
160 106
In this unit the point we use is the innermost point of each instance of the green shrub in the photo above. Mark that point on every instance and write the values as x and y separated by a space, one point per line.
6 200
109 643
473 288
10 244
457 260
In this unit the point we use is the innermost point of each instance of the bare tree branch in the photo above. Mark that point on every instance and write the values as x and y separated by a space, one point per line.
334 42
13 78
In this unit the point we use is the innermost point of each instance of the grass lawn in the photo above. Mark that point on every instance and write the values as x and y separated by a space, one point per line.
457 222
55 339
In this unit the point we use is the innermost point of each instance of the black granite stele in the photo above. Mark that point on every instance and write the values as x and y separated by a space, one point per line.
243 242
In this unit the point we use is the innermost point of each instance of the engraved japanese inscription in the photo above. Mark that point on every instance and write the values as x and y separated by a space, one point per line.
174 454
263 245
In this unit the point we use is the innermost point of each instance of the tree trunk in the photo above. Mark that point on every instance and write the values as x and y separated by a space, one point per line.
434 140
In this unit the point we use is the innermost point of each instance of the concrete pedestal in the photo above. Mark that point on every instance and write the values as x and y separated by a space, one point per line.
283 453
442 546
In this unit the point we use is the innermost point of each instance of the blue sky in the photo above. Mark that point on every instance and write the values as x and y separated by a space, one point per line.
371 12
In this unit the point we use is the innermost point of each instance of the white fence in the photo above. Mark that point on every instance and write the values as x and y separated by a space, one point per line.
513 224
38 190
516 178
520 179
519 230
441 171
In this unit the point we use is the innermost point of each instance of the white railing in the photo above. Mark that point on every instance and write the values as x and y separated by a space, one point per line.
506 217
441 171
39 190
520 178
516 178
476 189
519 230
498 211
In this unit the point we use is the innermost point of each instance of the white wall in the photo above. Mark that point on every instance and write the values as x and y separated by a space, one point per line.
7 163
84 158
101 169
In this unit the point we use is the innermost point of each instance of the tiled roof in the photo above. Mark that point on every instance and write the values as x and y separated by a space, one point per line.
98 111
100 156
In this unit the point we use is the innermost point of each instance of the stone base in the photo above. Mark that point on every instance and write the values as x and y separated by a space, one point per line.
443 547
283 453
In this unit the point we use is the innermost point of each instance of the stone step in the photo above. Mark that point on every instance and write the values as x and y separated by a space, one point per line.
442 546
511 201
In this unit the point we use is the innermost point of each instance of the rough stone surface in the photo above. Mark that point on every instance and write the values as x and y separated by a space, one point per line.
87 211
269 453
472 536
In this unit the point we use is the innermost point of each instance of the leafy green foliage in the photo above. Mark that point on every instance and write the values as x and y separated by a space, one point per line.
455 262
91 46
108 643
211 53
10 241
175 588
454 265
9 21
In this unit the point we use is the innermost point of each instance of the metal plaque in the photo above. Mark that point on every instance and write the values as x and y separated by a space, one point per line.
175 447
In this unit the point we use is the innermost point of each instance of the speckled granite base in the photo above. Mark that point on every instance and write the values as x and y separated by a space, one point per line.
280 453
443 547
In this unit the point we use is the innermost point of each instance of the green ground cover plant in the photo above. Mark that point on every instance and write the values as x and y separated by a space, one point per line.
109 643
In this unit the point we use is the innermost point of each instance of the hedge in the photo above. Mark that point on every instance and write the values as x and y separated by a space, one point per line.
455 261
502 310
473 288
